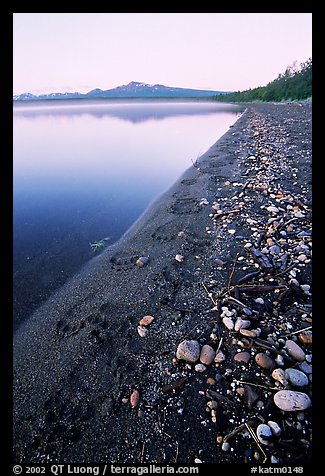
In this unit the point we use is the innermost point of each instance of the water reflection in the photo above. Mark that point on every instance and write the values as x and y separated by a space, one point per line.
84 172
137 111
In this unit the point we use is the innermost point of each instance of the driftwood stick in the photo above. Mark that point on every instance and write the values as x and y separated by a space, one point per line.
222 214
232 271
248 276
253 288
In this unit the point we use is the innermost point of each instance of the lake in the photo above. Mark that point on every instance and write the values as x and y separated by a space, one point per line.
85 171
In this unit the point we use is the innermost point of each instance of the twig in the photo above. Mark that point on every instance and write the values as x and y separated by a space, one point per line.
176 457
232 271
256 385
248 276
219 345
249 428
222 214
142 452
209 294
253 288
300 330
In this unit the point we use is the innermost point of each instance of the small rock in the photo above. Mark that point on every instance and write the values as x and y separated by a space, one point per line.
179 258
305 368
272 209
228 322
241 324
295 351
211 381
296 377
259 301
200 368
146 320
248 333
142 261
264 361
306 337
242 357
142 331
279 376
219 262
290 400
188 350
207 355
225 446
134 398
275 428
264 433
219 357
279 360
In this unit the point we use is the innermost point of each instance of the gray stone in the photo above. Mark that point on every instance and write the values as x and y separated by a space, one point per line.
296 377
295 351
291 401
264 433
188 350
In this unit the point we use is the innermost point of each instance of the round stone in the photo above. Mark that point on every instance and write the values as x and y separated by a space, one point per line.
291 401
242 357
200 368
275 428
295 351
188 350
264 433
306 337
228 322
207 355
264 361
296 377
146 320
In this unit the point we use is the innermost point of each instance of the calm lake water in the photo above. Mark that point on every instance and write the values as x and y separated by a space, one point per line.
86 171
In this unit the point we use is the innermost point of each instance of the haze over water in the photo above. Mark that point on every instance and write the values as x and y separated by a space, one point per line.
84 171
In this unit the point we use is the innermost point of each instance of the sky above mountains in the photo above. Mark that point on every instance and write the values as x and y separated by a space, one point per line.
66 52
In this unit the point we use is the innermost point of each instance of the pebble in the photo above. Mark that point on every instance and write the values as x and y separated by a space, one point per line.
134 398
242 324
146 320
290 400
280 376
228 322
275 428
179 258
296 377
188 350
225 446
219 357
273 209
295 351
207 355
248 333
305 368
142 331
200 368
259 300
306 337
264 433
264 361
242 357
142 261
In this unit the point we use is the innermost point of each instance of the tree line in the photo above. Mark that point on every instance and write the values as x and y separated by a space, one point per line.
294 84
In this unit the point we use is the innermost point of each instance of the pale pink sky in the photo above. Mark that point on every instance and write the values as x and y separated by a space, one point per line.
58 52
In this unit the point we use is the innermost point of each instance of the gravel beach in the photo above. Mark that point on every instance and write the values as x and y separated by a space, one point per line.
221 371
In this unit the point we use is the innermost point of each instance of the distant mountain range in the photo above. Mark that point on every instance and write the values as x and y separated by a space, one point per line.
132 90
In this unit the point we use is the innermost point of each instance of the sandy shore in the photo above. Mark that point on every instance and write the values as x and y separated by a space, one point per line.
79 357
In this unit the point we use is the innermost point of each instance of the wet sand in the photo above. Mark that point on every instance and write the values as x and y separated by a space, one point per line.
79 356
